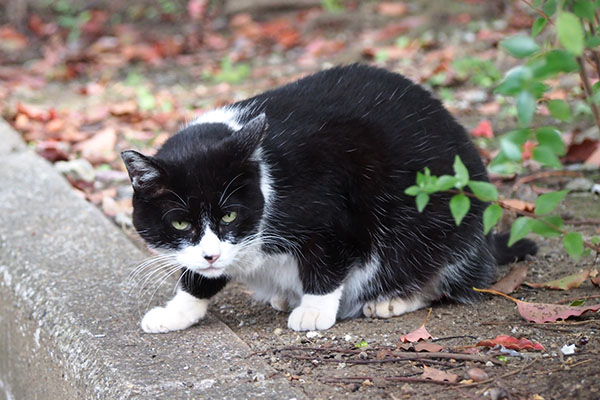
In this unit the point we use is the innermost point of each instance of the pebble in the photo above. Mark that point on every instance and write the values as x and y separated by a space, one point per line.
79 169
477 374
567 350
277 331
313 334
580 185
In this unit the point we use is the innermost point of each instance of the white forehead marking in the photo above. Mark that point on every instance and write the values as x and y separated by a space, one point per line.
229 116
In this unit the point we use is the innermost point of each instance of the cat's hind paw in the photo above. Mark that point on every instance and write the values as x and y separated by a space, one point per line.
392 307
279 303
183 311
310 318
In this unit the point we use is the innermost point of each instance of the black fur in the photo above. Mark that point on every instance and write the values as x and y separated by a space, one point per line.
340 146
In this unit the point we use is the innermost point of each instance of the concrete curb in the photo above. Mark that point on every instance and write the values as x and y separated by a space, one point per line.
68 330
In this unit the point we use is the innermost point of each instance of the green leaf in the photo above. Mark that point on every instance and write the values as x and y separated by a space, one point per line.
548 201
550 137
361 344
547 226
559 60
520 228
520 46
491 216
559 109
545 156
503 166
446 182
584 9
592 41
519 136
514 81
550 7
461 172
511 150
595 240
459 207
412 190
573 243
422 200
538 25
421 179
577 303
484 190
570 32
526 105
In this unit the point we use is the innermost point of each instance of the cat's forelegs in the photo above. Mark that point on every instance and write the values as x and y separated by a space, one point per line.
316 311
181 312
187 307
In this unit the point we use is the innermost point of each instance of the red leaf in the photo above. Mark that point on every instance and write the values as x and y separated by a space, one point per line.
428 347
438 375
512 280
528 147
34 112
416 335
565 283
484 129
511 343
542 312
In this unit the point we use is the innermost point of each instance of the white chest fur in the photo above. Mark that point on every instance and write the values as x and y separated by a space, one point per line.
273 276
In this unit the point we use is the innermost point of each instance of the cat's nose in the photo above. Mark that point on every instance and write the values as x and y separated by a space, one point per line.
212 258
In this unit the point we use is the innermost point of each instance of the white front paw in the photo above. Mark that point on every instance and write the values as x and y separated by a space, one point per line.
310 318
161 320
183 311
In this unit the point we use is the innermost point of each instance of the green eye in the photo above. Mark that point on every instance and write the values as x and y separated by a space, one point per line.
229 217
180 225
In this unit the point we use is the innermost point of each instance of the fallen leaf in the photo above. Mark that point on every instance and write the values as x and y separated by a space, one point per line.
518 204
594 158
483 129
416 335
124 108
391 9
511 343
528 147
580 152
438 375
596 280
542 312
512 280
34 112
428 347
565 283
100 148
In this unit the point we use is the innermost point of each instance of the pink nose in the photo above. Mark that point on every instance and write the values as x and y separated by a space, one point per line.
211 259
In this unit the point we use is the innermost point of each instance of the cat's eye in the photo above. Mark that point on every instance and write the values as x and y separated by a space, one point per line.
180 225
229 217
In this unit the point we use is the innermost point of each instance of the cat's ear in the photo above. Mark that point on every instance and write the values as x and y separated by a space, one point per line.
143 171
252 133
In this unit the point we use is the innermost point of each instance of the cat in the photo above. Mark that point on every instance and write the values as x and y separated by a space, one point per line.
299 193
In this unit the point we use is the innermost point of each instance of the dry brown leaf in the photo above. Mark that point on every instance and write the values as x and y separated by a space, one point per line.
568 282
428 347
100 148
438 375
512 280
519 204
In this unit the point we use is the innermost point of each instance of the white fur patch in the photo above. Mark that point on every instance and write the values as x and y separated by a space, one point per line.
354 286
226 115
181 312
192 257
316 311
392 307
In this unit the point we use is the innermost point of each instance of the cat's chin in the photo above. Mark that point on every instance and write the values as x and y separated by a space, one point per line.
211 272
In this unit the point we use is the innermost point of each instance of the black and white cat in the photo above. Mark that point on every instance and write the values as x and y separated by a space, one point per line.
299 193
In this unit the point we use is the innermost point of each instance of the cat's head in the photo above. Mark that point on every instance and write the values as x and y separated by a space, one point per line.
201 197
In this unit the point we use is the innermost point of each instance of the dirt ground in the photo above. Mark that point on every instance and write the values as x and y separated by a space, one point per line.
352 359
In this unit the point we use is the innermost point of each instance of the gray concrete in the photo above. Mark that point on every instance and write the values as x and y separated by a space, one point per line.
68 329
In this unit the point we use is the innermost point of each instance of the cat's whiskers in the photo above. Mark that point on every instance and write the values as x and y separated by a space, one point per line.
172 209
160 281
183 202
220 202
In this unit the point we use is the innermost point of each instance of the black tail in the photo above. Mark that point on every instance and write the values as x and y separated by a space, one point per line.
516 252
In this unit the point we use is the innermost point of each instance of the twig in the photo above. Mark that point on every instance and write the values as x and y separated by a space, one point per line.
588 91
542 175
537 10
367 361
595 52
424 355
595 296
582 222
454 337
355 379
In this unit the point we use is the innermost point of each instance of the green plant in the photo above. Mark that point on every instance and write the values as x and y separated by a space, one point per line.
570 49
477 71
230 72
